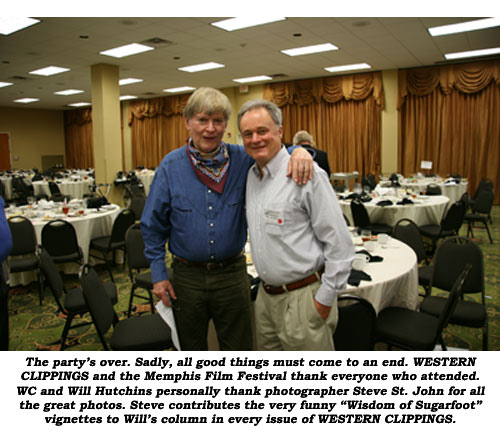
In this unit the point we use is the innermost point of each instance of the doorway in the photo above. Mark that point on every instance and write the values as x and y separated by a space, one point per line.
5 164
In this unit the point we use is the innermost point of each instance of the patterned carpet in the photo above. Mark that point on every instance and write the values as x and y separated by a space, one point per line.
35 327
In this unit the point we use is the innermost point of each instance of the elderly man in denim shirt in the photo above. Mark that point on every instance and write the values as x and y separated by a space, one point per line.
196 203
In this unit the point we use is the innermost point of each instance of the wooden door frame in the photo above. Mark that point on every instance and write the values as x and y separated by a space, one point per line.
10 151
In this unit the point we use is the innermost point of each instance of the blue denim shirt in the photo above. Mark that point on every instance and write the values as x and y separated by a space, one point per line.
198 223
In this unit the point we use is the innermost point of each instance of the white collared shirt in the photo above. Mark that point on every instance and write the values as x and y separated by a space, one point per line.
297 230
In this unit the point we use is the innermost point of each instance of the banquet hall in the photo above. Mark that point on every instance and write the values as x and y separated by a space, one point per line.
394 98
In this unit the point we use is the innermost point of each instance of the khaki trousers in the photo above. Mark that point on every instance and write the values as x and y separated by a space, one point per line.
290 321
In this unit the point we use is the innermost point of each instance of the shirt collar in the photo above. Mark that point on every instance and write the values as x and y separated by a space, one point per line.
274 165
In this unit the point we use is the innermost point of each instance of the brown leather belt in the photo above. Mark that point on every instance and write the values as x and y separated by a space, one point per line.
277 290
209 265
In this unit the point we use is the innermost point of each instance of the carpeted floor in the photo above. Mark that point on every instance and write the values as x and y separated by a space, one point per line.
35 327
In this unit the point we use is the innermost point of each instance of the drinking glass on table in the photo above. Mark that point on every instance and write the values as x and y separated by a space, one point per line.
366 235
65 209
31 200
357 188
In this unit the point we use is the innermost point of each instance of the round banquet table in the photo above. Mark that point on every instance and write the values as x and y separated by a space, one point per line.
425 210
394 280
92 225
451 190
75 188
146 177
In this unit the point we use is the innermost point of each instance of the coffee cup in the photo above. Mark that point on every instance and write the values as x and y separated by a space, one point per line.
360 261
383 238
370 245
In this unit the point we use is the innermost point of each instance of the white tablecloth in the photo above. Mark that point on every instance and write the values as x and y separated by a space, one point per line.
92 225
394 280
426 210
74 188
146 177
453 191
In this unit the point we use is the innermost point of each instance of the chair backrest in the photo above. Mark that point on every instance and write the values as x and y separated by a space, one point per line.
347 222
52 276
98 302
59 238
53 188
134 244
454 217
484 201
359 214
451 258
356 325
137 203
407 231
123 221
452 300
484 183
23 236
433 189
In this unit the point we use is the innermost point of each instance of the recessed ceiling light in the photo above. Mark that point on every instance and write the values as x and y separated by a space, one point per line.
26 100
180 89
82 103
201 67
472 53
126 50
129 81
252 79
3 84
348 67
49 71
464 27
10 25
310 49
240 23
69 92
127 97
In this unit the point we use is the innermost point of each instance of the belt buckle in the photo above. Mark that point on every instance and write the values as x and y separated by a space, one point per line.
212 265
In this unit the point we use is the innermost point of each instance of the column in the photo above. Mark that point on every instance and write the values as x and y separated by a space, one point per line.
106 124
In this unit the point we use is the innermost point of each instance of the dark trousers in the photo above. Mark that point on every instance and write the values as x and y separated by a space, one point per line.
221 295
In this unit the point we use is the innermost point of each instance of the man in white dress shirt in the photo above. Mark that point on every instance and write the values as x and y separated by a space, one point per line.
301 247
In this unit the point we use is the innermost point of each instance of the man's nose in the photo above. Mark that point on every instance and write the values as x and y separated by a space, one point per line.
210 125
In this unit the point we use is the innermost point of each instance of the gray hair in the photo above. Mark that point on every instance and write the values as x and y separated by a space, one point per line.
208 100
273 109
303 136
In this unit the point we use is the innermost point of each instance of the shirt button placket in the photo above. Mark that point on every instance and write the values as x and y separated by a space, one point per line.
211 224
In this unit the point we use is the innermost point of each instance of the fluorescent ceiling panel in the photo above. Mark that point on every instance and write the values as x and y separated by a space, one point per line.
241 23
129 81
82 103
26 100
49 71
179 89
318 48
3 84
468 26
348 67
252 79
472 53
10 25
69 92
201 67
126 50
127 97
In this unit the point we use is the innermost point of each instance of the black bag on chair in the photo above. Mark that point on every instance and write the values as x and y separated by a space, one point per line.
96 203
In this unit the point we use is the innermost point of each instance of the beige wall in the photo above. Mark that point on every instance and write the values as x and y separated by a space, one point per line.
32 133
389 141
45 134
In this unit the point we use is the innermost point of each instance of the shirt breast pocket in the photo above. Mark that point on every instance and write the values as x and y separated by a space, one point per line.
182 205
280 218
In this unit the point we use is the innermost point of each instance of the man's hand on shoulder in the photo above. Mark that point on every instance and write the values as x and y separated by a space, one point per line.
300 166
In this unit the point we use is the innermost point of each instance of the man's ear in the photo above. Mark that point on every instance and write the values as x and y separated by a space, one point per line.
280 131
187 123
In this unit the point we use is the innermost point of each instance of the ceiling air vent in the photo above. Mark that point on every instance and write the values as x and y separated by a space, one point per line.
278 75
157 42
20 78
